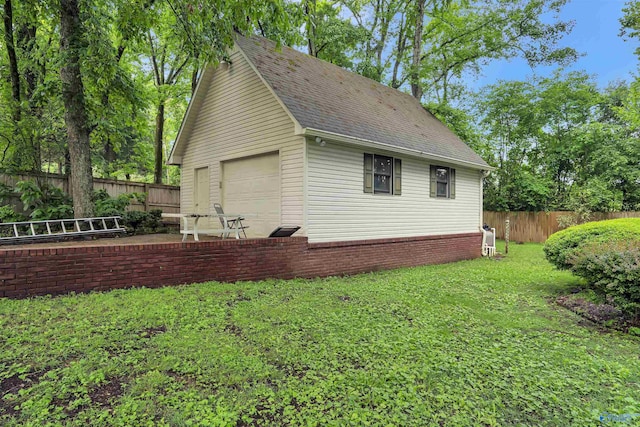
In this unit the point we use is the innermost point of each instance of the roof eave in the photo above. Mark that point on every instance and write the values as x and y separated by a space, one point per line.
389 147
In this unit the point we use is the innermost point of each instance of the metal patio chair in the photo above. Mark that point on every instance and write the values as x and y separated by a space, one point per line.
230 223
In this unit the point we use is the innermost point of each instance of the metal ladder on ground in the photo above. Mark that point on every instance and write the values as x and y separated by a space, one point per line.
59 228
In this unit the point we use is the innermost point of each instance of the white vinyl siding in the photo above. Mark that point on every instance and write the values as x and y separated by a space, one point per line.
339 210
240 117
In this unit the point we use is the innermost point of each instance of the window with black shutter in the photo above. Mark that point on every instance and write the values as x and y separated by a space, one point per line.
382 174
443 182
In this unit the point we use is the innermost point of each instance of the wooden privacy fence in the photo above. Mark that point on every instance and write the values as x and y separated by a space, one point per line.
538 226
159 196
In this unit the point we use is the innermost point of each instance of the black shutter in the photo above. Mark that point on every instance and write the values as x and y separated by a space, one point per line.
452 183
434 184
368 173
397 177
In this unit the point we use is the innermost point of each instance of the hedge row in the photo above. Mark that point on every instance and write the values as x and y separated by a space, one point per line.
606 254
561 247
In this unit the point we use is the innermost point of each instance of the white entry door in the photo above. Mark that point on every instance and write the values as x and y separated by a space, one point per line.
251 185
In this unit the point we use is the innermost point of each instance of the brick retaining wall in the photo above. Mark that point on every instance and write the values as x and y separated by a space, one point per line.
26 272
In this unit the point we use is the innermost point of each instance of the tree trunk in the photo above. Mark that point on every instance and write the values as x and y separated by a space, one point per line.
159 149
75 115
310 11
13 61
110 155
400 47
195 76
27 44
416 88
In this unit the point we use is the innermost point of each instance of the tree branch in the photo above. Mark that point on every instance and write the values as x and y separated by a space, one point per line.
154 61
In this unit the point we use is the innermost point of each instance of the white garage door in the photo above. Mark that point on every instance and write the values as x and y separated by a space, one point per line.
252 185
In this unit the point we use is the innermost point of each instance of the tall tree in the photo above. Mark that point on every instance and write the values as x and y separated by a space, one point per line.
13 61
436 43
509 112
379 21
560 143
71 44
416 56
181 33
630 22
168 66
119 117
329 36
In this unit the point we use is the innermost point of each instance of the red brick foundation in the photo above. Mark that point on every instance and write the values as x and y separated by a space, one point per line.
26 272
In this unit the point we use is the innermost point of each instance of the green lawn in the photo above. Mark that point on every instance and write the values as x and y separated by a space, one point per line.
472 343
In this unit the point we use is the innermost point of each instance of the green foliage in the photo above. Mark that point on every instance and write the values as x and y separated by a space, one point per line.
594 196
139 222
52 212
561 247
557 141
560 144
630 21
105 205
333 37
8 214
612 268
5 192
44 201
461 123
117 93
469 343
452 50
136 222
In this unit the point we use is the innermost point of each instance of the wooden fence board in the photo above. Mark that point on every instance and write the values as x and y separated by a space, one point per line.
538 226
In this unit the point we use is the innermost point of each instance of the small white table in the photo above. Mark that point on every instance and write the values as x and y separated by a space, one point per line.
225 231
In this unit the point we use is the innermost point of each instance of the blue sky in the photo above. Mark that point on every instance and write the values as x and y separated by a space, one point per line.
595 34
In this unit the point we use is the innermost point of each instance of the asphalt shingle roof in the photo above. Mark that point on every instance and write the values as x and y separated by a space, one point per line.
325 97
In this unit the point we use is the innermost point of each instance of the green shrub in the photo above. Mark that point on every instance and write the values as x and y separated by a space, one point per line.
562 246
105 205
153 221
52 212
44 201
132 221
5 192
612 269
138 222
8 214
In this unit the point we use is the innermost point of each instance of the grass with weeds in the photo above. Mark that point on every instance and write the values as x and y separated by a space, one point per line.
470 343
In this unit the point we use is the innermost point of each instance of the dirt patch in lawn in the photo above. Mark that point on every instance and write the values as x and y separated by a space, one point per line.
102 396
603 314
239 297
234 330
106 393
150 332
13 385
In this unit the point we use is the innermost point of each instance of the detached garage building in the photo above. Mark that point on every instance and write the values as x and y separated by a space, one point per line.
295 140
